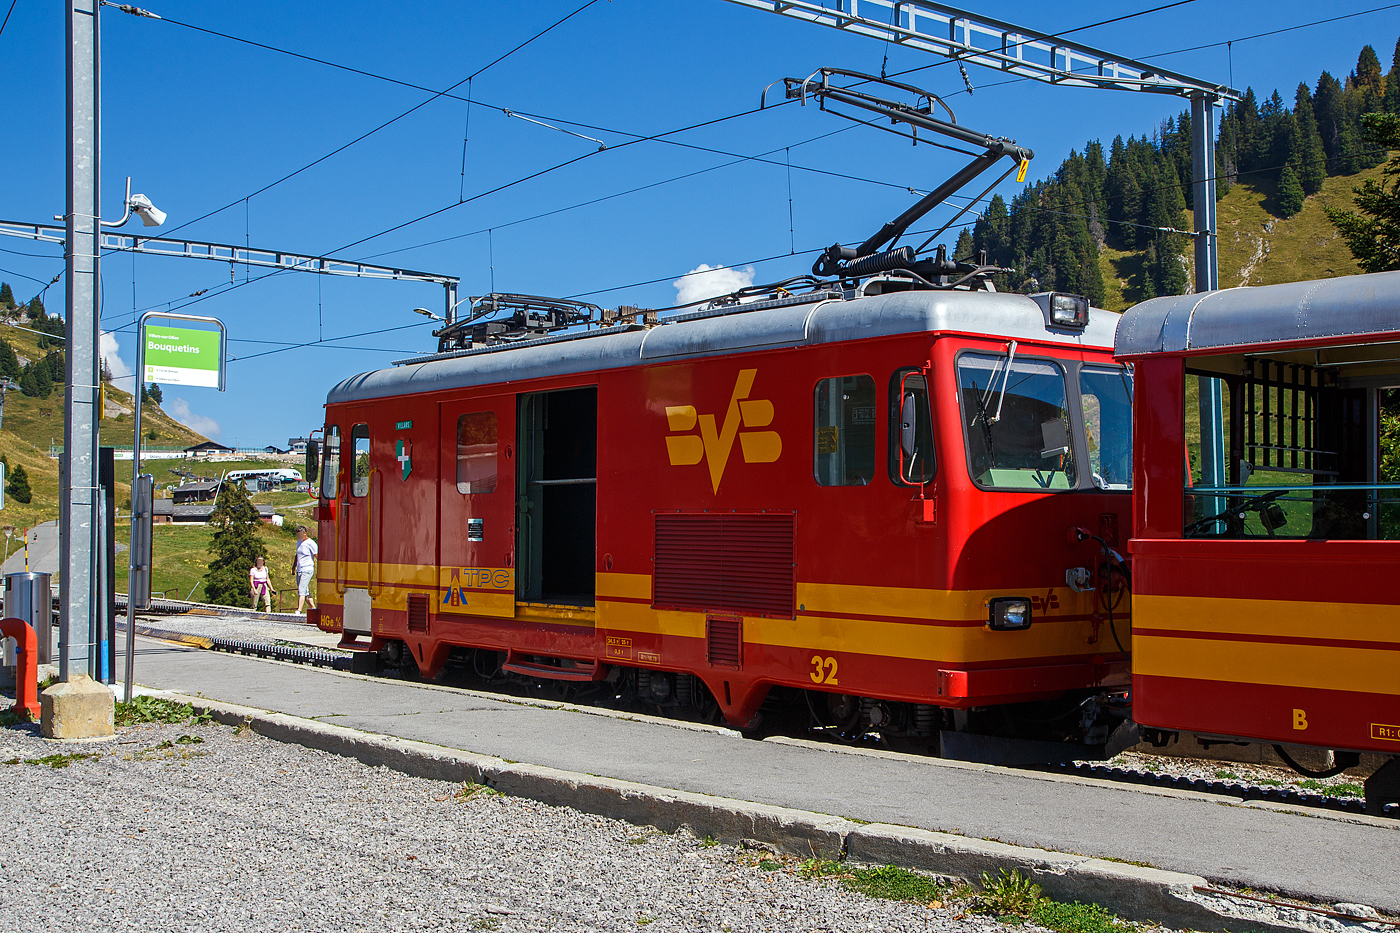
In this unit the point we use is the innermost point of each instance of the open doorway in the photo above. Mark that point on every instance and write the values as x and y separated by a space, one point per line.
557 520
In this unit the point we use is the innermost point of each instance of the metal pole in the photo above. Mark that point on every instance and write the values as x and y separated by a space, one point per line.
1213 472
132 556
77 526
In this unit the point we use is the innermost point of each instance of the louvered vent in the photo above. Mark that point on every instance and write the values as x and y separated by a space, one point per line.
724 642
418 614
734 561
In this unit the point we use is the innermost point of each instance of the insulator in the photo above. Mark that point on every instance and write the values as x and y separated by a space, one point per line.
900 258
925 718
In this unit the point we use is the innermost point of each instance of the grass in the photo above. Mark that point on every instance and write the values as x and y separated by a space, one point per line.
470 791
143 709
887 882
56 761
1077 918
1344 789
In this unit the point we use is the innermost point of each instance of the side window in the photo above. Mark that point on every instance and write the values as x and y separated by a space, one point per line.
1106 395
911 429
476 452
359 449
844 433
330 468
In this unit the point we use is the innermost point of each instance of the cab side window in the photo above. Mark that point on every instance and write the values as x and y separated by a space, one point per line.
476 452
330 468
359 451
911 429
844 431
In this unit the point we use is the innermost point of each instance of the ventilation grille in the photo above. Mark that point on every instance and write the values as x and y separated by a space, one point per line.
724 640
739 562
418 614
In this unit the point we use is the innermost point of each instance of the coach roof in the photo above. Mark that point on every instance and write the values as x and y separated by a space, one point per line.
815 322
1298 312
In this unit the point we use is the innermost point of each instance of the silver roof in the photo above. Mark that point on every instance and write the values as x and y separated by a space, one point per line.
1010 316
1349 306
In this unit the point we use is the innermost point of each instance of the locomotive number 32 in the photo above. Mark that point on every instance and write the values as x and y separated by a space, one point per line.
823 670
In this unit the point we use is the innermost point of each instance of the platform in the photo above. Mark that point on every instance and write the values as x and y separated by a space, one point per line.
1318 855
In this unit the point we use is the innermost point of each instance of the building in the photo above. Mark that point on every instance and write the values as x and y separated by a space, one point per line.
274 449
165 511
206 449
297 445
194 492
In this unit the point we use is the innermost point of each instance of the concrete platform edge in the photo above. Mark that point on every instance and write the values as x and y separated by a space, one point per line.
1134 892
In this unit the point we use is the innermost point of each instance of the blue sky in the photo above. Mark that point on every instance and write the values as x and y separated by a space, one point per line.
201 122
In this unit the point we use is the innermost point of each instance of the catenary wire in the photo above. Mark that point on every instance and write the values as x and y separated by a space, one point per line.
436 95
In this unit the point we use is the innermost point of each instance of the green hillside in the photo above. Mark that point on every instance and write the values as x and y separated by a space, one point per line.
33 425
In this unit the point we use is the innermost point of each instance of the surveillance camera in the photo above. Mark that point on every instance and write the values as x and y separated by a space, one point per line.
142 207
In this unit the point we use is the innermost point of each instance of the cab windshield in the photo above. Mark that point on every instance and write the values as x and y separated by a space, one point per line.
1016 417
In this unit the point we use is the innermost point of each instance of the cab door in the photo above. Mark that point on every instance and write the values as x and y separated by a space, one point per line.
476 507
354 531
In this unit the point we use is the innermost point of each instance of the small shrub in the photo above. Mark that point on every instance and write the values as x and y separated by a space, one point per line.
1009 892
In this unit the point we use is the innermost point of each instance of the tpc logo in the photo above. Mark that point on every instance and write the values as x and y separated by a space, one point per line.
714 445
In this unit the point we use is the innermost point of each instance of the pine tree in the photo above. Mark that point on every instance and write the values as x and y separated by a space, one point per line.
1373 231
1392 82
7 297
234 548
28 384
1368 70
1309 158
965 250
1330 111
36 309
17 487
43 379
153 394
1290 192
9 362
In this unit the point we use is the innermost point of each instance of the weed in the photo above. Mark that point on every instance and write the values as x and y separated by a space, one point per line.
645 921
1077 918
56 761
48 682
469 791
1009 892
189 740
165 744
1269 782
159 710
709 842
11 761
1126 861
13 716
636 840
768 864
1227 775
1345 789
888 882
243 728
486 923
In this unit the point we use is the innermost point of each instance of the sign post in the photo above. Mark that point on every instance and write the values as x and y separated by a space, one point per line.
176 349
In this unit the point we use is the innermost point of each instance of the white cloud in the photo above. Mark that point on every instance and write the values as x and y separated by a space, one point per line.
706 281
179 409
115 364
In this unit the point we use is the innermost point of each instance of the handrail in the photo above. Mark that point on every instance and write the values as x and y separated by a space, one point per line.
372 565
342 536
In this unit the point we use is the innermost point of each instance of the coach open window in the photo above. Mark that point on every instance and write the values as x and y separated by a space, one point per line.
359 451
330 469
911 429
844 438
477 448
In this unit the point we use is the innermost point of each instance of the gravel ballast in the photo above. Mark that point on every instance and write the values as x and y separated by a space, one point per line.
206 827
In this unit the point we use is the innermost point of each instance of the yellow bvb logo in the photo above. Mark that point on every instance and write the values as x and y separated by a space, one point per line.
714 445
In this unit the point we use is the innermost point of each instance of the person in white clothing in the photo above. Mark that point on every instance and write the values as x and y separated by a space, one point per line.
304 566
260 584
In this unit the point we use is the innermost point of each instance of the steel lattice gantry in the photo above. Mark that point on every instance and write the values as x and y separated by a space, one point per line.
250 256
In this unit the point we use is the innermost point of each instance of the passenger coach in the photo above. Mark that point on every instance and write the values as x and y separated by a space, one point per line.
1267 519
899 504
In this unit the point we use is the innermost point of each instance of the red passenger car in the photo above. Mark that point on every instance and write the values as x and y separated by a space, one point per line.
892 502
1264 607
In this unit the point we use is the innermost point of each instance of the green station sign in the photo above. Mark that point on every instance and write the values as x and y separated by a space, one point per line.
182 355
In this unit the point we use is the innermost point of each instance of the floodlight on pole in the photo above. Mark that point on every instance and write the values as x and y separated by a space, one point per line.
141 206
426 313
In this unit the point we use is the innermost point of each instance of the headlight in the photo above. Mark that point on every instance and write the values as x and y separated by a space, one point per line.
1009 614
1069 310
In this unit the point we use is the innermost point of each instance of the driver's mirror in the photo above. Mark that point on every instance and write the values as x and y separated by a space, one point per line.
911 441
313 461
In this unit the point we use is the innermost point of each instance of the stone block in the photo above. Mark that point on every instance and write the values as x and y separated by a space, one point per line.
82 708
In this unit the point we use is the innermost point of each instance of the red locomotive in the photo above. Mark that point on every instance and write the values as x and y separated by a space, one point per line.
1264 609
863 494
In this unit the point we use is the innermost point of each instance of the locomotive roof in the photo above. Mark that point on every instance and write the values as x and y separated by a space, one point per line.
734 330
1345 307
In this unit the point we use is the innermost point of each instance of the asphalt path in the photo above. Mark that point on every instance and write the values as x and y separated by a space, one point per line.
1322 856
43 550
